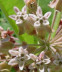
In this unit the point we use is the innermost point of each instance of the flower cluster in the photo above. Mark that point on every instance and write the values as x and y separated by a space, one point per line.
33 24
32 57
21 57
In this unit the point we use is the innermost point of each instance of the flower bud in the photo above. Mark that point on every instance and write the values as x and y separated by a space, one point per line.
31 6
57 4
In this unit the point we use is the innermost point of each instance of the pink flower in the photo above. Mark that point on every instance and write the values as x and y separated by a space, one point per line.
21 15
20 58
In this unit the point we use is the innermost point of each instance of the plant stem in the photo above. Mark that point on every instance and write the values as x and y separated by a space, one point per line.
28 45
54 18
55 23
38 2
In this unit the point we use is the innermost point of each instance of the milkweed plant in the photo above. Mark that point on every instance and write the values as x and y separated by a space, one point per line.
46 54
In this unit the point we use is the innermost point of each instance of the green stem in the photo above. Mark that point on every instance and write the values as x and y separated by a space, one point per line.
28 45
53 21
56 24
38 2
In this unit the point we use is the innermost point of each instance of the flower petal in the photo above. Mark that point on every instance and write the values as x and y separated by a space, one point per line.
13 52
33 57
12 17
39 11
21 65
25 16
24 9
27 57
21 49
12 62
34 17
47 15
19 21
16 10
41 56
26 1
46 61
45 22
37 24
32 66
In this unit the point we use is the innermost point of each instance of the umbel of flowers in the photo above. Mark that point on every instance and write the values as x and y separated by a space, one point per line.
34 24
34 57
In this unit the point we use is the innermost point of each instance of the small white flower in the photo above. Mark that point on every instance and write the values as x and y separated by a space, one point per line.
20 59
39 18
21 15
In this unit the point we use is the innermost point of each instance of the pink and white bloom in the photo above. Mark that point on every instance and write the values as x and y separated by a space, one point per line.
39 61
21 57
41 58
39 18
41 23
21 15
